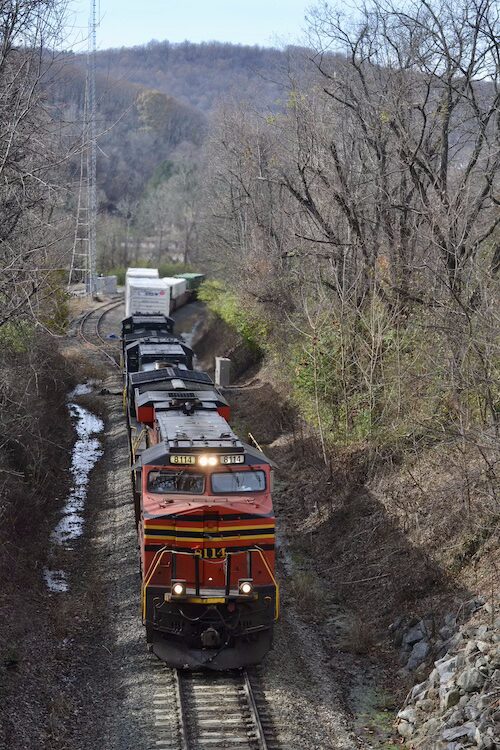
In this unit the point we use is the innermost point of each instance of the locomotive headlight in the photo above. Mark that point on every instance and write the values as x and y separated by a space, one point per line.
207 460
245 586
178 588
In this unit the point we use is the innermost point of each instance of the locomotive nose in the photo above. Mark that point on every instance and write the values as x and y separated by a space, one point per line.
210 638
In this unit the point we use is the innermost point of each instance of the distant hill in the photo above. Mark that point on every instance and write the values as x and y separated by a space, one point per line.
138 129
153 98
200 74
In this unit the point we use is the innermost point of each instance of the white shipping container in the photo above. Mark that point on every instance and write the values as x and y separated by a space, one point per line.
178 286
142 273
147 296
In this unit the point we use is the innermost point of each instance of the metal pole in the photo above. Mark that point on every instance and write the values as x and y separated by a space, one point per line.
92 185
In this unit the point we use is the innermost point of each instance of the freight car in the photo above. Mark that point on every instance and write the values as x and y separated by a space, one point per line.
146 293
203 509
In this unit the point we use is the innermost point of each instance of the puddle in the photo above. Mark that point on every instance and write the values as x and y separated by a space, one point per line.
82 389
55 580
86 453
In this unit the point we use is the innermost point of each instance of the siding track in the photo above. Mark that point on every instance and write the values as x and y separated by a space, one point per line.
89 330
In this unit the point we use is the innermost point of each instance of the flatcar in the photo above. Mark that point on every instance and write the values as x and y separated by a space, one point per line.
204 513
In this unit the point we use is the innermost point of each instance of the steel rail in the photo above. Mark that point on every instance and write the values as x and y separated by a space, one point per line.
104 310
252 703
243 723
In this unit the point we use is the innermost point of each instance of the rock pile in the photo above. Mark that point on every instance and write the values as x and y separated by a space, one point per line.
458 705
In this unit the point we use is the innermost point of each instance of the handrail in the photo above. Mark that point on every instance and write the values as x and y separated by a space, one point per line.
137 441
158 554
277 607
163 550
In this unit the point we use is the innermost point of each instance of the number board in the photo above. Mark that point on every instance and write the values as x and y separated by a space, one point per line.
190 460
183 460
232 459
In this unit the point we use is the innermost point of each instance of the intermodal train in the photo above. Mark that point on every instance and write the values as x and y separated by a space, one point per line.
203 508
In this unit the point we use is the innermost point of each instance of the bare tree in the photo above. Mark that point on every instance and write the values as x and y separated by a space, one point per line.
369 205
30 156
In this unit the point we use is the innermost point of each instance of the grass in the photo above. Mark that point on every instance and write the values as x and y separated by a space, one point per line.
309 597
374 716
357 636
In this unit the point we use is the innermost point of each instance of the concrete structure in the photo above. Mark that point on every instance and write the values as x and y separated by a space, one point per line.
106 285
222 371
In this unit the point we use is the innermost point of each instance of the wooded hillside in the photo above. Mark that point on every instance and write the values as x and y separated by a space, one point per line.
199 74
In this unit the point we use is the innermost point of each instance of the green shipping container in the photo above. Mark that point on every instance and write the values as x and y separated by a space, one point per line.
193 279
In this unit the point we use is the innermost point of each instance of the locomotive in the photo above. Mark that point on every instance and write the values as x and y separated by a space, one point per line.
203 509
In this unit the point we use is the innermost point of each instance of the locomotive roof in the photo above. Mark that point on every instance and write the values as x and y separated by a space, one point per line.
202 430
177 385
160 397
159 333
142 319
153 344
169 373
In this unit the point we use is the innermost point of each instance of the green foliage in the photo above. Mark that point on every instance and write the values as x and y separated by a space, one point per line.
247 321
17 336
171 269
153 108
162 173
56 308
363 377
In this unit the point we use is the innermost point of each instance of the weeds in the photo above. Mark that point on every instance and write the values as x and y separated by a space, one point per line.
309 597
357 636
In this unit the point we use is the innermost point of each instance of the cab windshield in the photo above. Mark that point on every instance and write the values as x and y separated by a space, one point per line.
171 482
238 481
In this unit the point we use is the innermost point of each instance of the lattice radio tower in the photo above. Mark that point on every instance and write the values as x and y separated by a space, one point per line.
84 252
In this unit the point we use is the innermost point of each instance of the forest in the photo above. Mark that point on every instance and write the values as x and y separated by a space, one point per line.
347 200
341 195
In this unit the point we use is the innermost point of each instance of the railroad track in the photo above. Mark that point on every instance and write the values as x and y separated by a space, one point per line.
211 711
89 329
197 710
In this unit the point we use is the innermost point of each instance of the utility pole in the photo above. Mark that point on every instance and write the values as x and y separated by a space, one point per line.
92 152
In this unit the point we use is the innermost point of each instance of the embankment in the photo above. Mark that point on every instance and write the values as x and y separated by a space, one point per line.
383 556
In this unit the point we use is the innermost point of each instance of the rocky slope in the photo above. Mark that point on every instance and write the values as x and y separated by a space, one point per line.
458 705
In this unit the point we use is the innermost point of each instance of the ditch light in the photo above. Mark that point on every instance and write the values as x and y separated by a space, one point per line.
178 588
245 586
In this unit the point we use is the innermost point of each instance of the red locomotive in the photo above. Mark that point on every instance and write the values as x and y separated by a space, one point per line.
204 513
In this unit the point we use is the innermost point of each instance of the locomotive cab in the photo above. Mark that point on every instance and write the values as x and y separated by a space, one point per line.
207 546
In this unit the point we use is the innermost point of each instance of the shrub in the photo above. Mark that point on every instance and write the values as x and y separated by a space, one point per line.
238 314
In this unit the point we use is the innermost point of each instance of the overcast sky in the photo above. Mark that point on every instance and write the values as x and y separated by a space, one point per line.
129 22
